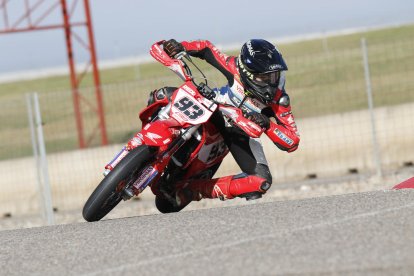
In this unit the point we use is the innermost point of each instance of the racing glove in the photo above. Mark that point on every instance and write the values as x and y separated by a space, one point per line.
172 47
260 119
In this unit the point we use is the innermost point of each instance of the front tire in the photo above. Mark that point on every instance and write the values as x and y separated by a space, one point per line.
108 193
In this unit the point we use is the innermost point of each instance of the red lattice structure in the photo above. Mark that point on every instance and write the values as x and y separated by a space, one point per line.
32 18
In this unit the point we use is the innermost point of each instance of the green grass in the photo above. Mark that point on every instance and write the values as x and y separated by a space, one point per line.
325 76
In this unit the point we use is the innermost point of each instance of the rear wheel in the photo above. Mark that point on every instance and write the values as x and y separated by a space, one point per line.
165 205
109 192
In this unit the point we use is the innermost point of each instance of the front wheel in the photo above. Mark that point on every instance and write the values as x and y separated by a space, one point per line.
108 193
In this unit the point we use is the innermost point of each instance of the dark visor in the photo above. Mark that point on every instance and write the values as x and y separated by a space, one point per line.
271 78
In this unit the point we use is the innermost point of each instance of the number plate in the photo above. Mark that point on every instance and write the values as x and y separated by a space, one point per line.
186 109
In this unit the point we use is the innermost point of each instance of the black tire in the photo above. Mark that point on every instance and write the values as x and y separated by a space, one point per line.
105 197
165 206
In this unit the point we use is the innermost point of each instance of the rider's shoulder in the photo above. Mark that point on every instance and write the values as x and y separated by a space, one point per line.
231 65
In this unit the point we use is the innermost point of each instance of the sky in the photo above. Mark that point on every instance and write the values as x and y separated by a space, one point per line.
127 28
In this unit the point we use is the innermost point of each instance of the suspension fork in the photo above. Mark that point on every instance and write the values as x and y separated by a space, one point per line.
152 173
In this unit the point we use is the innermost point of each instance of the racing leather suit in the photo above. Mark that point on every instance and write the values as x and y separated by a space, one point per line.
248 152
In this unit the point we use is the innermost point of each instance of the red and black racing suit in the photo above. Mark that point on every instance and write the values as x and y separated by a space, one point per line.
247 151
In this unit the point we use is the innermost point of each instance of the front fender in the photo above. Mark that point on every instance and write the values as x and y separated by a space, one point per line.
147 113
159 133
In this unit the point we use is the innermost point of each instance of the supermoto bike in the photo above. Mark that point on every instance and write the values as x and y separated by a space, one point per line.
177 142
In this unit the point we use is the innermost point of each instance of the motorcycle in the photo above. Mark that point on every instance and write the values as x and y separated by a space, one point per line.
177 142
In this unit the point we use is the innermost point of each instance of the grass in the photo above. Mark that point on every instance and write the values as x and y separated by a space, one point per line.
325 76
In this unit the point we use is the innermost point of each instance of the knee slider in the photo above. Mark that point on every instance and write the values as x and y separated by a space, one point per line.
265 186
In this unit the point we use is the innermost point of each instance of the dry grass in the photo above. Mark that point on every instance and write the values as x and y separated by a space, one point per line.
321 80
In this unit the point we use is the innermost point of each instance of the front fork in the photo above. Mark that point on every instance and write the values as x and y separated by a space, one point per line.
151 172
111 165
132 144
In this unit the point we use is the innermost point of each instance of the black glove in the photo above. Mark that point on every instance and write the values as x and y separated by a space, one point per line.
258 118
172 47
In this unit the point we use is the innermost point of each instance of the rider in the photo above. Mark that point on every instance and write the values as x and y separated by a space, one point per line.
256 78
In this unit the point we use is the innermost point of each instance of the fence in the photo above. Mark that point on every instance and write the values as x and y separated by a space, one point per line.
328 89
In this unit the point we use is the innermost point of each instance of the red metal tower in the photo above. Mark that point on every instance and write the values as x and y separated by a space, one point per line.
30 20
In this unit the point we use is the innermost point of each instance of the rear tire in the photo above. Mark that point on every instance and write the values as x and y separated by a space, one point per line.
108 193
165 206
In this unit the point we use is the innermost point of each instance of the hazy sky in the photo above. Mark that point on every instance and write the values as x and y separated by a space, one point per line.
128 27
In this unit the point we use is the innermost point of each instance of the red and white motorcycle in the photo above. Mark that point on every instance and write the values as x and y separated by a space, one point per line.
177 142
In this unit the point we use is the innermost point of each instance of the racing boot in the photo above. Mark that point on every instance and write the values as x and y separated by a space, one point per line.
228 187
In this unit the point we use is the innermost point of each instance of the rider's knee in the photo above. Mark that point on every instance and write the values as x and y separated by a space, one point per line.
261 178
263 171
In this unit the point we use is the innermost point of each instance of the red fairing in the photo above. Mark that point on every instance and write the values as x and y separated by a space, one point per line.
211 136
147 112
159 133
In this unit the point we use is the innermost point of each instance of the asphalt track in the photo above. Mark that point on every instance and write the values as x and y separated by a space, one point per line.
355 234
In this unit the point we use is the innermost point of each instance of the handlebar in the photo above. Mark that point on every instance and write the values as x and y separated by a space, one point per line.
177 64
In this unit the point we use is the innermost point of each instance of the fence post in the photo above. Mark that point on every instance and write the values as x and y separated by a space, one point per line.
39 151
375 145
34 142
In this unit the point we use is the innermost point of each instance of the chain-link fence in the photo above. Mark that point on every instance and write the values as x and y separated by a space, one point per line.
339 133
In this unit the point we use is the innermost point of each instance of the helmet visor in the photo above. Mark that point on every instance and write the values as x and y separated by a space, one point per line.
271 78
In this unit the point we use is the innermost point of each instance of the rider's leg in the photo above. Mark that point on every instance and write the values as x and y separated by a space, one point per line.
228 187
248 153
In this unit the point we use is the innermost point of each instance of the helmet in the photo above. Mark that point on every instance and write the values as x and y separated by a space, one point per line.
260 64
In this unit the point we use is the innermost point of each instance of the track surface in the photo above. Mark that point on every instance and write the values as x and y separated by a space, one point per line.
354 234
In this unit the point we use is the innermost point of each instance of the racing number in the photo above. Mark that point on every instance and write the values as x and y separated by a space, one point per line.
189 108
217 150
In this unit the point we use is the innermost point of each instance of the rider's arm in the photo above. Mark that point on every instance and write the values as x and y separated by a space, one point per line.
204 49
284 133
